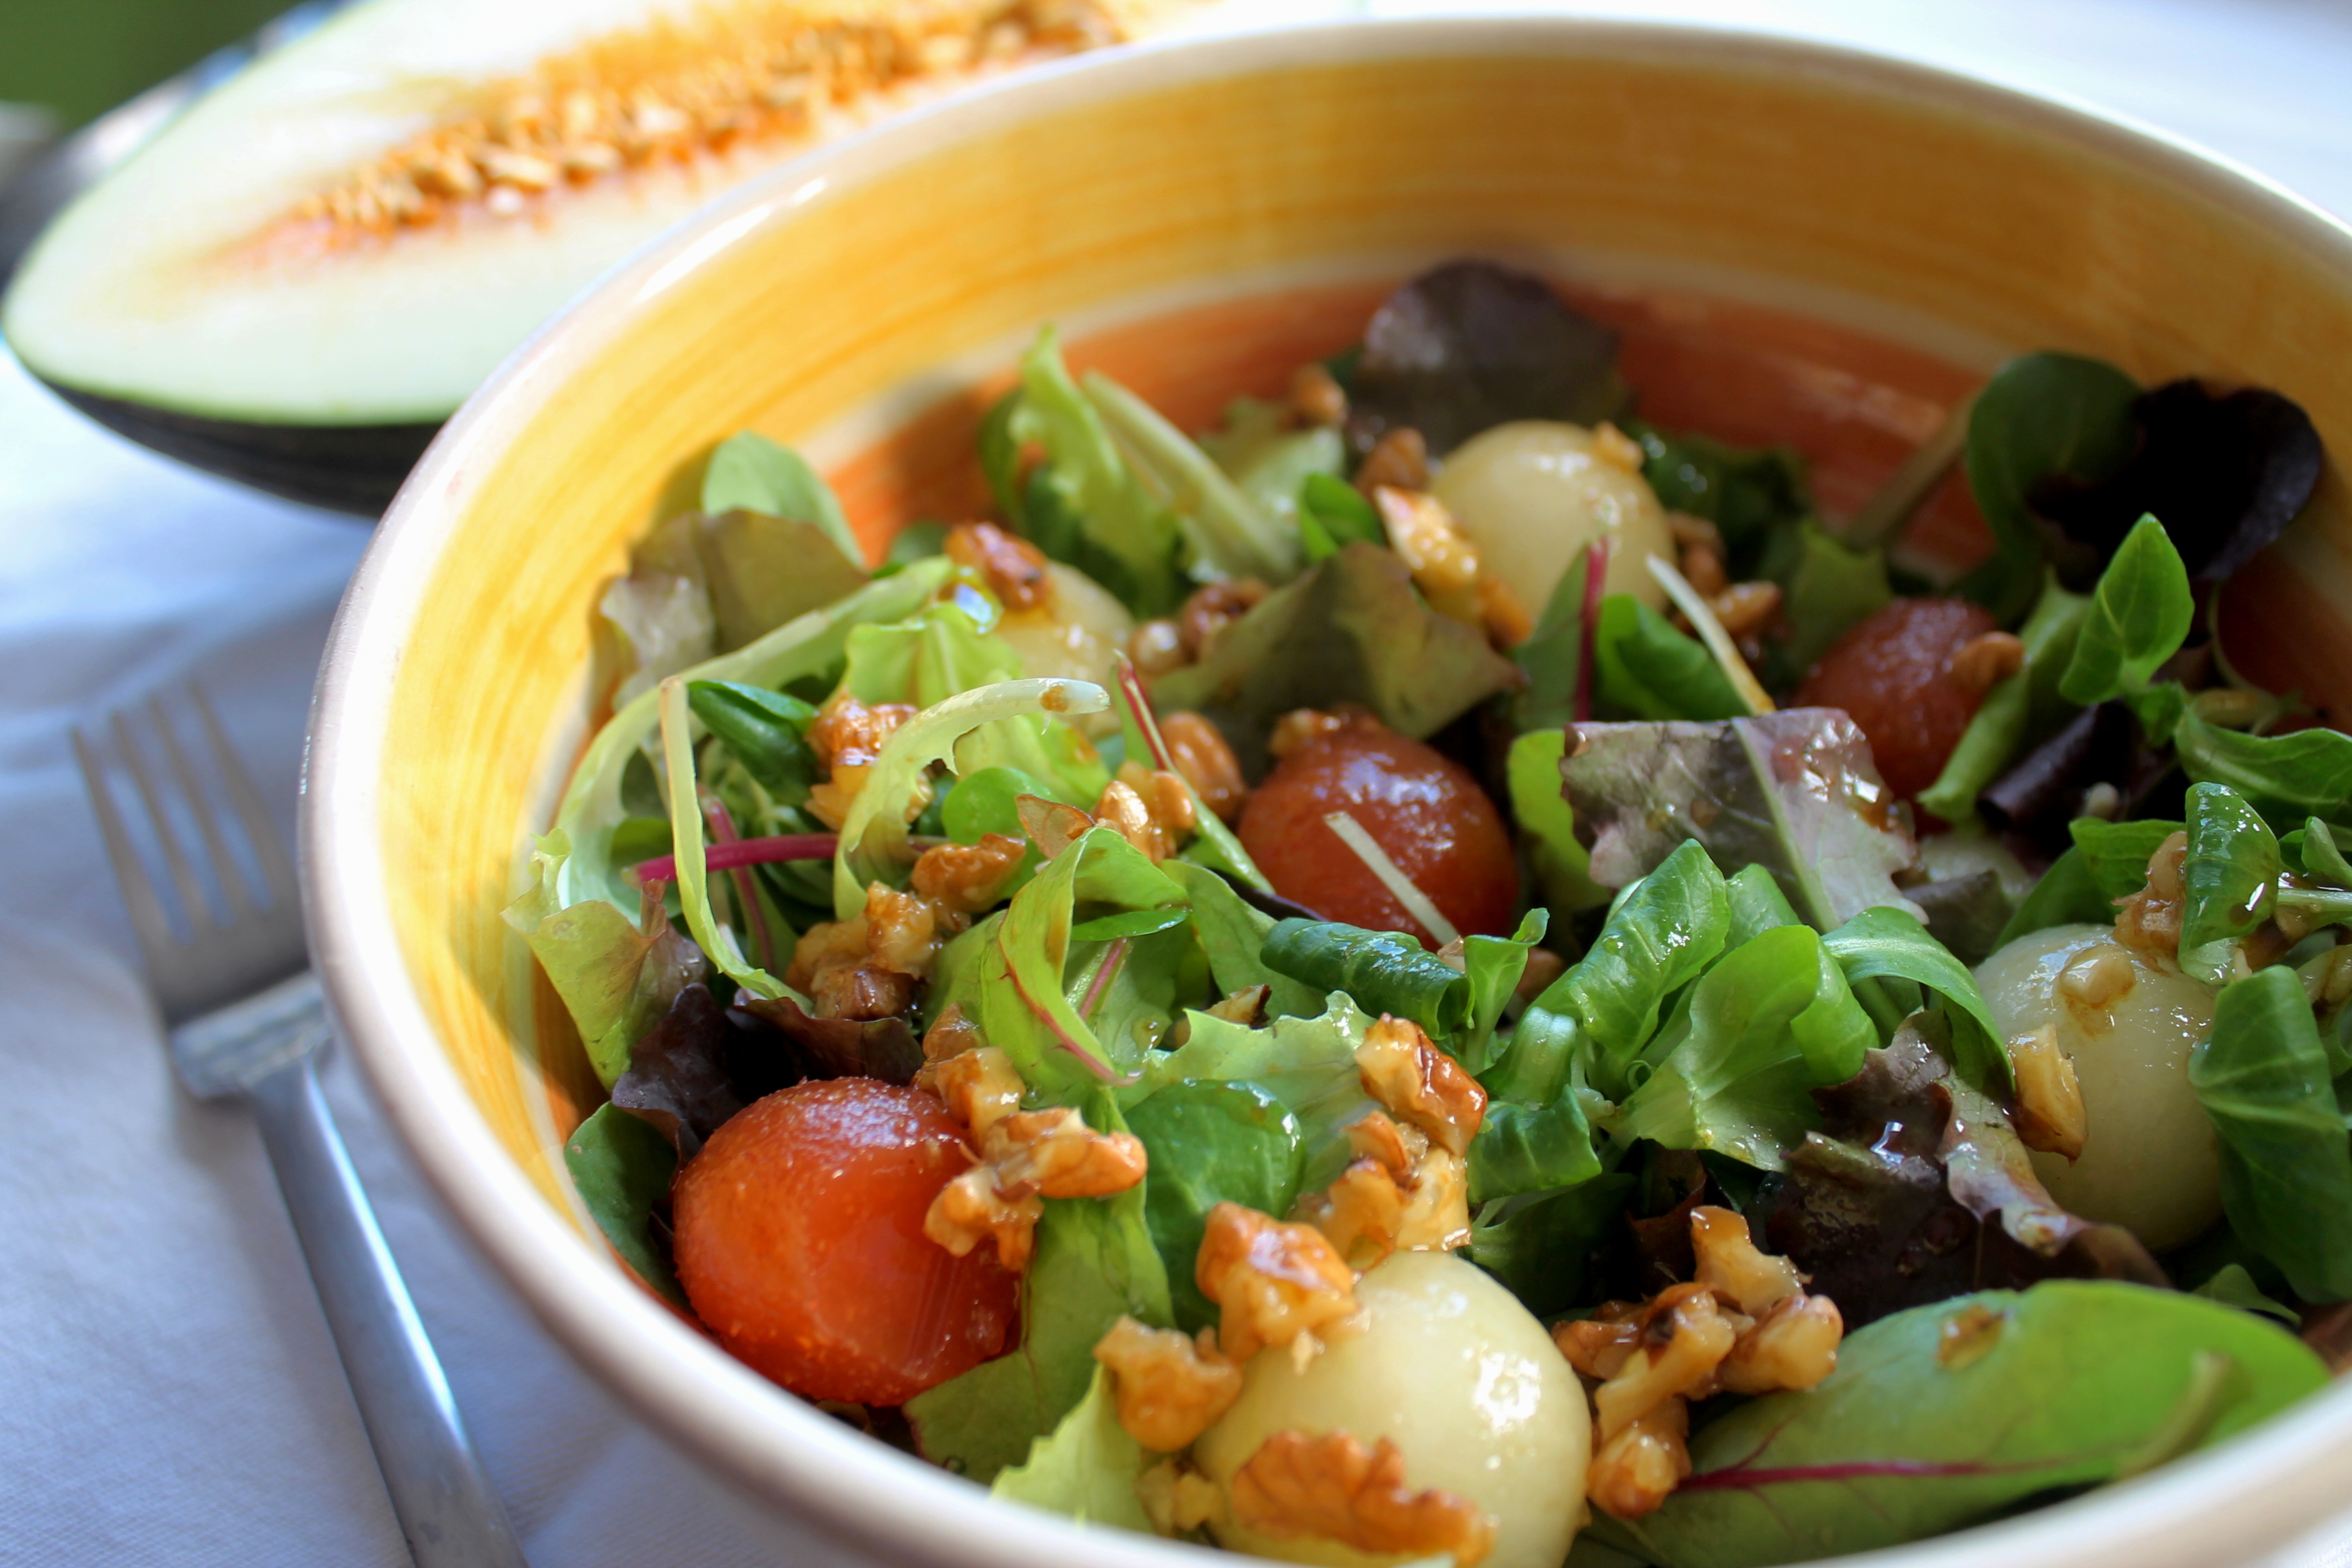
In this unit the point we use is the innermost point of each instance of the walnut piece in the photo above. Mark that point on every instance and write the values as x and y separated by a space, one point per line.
847 735
1055 1153
1272 1281
1632 1472
1317 397
971 1209
1443 561
1333 1488
981 1086
1745 608
1153 810
2150 919
1245 1006
1014 568
1169 1387
1178 1498
1198 749
1419 1082
1400 460
1158 646
1983 662
1362 1212
1300 725
1212 609
2049 1115
1745 1326
950 1035
968 878
1025 1155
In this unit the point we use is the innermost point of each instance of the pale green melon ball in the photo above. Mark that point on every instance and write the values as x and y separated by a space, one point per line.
1532 495
2149 1162
1462 1378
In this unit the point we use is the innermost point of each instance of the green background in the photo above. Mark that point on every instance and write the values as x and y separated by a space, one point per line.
79 58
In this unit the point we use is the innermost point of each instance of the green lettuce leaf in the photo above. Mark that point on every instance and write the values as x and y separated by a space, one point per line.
2228 881
750 472
1542 1245
1643 668
1757 905
1887 944
1212 1142
874 835
621 1167
1666 929
1233 937
1548 826
1229 534
1086 1468
1768 1023
2286 1164
1963 1411
1493 964
929 657
765 731
1523 1148
1752 495
1332 512
1094 1261
1270 462
1309 1064
2041 417
1827 587
1351 629
2021 709
2138 616
2288 778
1385 971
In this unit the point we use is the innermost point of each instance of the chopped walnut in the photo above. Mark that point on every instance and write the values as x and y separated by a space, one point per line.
1983 662
1049 825
1170 1388
1437 1211
1361 1214
981 1087
1179 1500
1198 749
1503 613
1689 529
2049 1095
1317 397
835 964
1746 1325
1055 1153
1245 1006
1212 609
1025 1155
1794 1345
950 1035
968 878
1376 1136
906 929
1153 810
1158 646
847 735
1400 460
1335 1489
1414 1080
1443 561
2150 919
1300 725
1702 567
1732 1265
1632 1472
1745 610
1273 1281
2097 976
1014 568
971 1210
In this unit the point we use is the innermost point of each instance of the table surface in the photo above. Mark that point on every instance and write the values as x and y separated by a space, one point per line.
173 1395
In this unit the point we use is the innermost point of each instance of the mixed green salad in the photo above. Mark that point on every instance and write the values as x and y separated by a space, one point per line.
1440 971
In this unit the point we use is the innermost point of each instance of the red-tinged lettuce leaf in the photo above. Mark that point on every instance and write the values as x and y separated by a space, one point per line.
1352 629
703 1063
886 1049
1794 792
1959 1413
2224 473
621 1167
1472 345
1917 1189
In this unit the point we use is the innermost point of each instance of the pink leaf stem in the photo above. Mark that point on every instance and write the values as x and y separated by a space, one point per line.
726 857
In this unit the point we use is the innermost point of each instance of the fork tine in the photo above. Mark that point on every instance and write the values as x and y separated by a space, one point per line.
147 921
224 868
183 875
269 849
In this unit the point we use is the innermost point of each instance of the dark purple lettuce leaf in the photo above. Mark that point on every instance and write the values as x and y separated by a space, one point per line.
1918 1190
1473 345
2042 790
2224 473
886 1049
700 1065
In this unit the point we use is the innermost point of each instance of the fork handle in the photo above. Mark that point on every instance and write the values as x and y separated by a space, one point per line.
447 1510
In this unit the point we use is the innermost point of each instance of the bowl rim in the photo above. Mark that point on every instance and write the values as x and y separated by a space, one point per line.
2276 1480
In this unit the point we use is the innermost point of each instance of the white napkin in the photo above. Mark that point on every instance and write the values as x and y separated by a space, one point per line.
174 1398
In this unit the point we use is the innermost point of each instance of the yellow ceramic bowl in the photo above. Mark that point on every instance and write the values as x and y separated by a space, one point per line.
1864 236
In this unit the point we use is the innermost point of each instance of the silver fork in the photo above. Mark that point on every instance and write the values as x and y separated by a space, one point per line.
246 1019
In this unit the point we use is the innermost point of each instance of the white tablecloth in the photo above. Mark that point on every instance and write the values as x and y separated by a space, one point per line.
172 1396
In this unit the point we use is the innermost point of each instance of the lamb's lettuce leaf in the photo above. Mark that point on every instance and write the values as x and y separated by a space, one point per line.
1385 971
2042 416
2020 711
2229 879
1752 495
1523 1148
1233 937
2286 1165
764 731
1493 965
2288 778
1309 1064
1886 944
621 1167
719 943
1827 586
1795 792
1643 668
1965 1409
1539 1244
1331 512
1757 905
2138 616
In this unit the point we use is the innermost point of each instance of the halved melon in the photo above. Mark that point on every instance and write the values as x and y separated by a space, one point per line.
304 275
